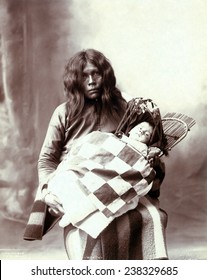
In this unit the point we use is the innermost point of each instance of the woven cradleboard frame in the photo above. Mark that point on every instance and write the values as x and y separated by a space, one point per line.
175 125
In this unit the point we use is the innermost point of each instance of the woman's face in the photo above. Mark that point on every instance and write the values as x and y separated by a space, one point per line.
91 81
141 132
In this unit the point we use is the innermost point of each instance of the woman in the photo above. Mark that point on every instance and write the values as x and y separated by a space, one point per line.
94 103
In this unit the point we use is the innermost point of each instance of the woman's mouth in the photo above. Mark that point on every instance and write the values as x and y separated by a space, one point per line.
94 90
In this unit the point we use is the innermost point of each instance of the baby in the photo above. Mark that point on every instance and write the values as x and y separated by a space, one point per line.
94 154
139 137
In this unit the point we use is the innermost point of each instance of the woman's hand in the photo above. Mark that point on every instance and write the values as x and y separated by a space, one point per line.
55 206
153 155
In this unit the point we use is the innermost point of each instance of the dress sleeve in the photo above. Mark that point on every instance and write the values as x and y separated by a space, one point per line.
159 168
52 147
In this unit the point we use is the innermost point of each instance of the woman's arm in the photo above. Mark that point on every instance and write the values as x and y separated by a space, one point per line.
50 155
53 144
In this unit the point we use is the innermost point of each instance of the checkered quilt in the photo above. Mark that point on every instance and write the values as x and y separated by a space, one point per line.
110 173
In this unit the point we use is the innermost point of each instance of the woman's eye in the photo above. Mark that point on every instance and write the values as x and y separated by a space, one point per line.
96 74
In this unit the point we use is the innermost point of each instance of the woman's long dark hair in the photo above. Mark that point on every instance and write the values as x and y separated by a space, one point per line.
111 99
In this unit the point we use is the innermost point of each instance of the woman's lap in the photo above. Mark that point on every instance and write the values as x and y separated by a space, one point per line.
138 234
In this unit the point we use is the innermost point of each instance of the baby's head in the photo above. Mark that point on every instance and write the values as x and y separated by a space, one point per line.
141 132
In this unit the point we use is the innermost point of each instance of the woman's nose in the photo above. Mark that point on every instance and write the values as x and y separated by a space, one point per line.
90 79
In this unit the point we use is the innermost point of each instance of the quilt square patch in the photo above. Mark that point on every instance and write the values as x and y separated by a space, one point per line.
106 194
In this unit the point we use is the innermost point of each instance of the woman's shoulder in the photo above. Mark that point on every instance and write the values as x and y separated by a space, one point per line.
60 114
62 108
61 111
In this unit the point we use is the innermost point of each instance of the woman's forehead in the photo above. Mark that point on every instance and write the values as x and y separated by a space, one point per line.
89 67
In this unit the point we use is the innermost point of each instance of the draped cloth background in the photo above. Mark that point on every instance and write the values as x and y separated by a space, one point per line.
166 62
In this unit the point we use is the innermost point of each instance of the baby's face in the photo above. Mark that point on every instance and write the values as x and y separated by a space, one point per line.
141 132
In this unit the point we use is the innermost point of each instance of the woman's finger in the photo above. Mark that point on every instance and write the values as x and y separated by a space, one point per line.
55 206
60 208
51 199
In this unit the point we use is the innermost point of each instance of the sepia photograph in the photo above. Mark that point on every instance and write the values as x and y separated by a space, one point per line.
103 124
